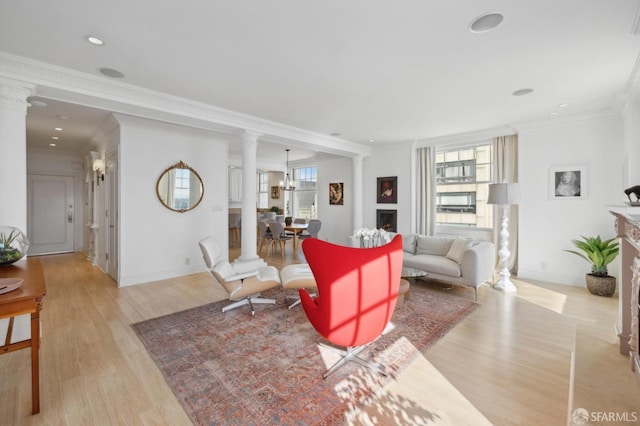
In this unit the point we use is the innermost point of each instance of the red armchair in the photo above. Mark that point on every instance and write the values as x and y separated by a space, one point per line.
357 292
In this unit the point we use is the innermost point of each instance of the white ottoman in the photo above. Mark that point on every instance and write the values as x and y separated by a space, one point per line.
297 277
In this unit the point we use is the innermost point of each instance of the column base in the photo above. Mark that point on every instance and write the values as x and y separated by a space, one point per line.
505 285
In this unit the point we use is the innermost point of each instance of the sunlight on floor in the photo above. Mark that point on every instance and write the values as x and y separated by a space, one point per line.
438 402
543 297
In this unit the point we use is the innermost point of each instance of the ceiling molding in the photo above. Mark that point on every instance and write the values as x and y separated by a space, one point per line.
466 137
73 86
570 119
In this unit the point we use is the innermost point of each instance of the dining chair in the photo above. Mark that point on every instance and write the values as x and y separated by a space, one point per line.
235 222
312 230
263 236
278 237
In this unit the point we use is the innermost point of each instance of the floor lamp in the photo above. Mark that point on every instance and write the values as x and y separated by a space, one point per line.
505 195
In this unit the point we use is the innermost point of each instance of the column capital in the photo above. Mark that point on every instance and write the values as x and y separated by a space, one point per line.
14 94
249 136
358 159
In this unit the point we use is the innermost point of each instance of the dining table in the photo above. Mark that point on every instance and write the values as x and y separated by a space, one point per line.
295 229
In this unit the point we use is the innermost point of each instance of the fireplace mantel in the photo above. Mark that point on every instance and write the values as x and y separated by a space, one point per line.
628 230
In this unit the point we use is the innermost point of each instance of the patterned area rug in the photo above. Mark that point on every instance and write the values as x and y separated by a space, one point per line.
232 368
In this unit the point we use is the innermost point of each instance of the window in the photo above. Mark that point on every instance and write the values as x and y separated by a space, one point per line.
456 171
464 202
181 192
462 184
304 197
263 190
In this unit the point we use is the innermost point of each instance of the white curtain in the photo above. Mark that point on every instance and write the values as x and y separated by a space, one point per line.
505 149
426 188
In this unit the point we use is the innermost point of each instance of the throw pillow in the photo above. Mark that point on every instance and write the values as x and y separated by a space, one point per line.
409 243
458 246
437 246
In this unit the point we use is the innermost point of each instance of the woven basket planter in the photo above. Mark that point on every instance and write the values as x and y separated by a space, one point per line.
601 286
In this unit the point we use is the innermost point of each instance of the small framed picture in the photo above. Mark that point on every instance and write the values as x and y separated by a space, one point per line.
387 190
567 183
336 194
275 192
387 220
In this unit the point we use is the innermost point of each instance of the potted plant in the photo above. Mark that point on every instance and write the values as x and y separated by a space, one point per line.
599 253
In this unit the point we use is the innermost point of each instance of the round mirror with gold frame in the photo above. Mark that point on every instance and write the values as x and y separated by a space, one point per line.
180 188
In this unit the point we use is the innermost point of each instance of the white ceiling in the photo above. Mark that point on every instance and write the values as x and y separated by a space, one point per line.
366 69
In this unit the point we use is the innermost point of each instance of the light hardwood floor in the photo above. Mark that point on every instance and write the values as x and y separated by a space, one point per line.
508 363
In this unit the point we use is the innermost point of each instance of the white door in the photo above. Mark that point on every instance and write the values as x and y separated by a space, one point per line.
50 210
112 214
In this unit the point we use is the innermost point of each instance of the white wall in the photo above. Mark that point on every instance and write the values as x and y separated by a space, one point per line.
337 220
548 225
155 242
386 162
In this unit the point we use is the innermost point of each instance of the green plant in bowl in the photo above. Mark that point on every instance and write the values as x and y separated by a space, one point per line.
13 245
599 253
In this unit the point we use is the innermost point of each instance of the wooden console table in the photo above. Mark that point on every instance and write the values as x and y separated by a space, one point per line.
25 300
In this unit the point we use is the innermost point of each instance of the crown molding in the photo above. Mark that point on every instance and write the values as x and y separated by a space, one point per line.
601 115
468 137
76 87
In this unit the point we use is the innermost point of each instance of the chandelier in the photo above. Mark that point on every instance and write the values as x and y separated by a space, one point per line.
287 183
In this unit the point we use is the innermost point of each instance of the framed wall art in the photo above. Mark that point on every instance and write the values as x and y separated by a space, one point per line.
567 182
275 192
336 194
387 220
387 189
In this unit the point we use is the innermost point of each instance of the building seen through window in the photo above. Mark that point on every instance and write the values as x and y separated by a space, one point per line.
462 184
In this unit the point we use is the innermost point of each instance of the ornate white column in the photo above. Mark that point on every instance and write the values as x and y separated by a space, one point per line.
357 191
13 152
249 252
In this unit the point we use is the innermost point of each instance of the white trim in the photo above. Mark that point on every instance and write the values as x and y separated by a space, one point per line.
68 85
466 138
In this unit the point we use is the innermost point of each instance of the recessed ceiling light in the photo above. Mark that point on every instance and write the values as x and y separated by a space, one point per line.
58 129
62 117
563 105
94 40
553 114
110 72
52 144
55 138
372 140
522 92
486 22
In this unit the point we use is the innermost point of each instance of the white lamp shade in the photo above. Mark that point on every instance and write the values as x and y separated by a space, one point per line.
504 193
98 164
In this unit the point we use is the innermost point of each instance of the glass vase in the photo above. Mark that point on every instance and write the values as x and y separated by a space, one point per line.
13 245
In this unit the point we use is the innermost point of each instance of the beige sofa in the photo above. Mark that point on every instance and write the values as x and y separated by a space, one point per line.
457 261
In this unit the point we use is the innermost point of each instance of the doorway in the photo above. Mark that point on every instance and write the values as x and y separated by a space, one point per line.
50 218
